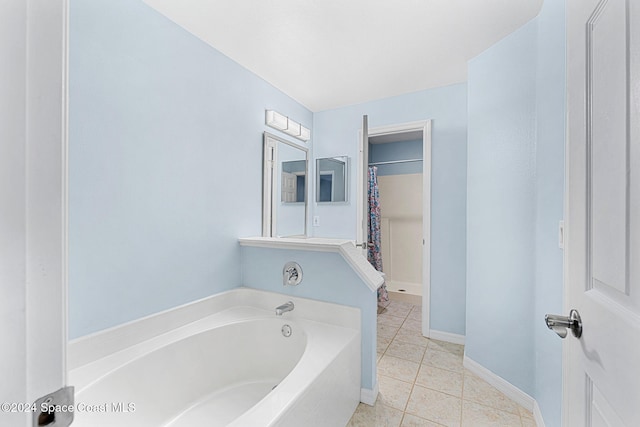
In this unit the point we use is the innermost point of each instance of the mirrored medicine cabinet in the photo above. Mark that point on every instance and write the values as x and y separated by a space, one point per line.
332 179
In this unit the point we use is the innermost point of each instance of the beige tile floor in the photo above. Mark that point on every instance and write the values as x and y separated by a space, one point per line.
423 383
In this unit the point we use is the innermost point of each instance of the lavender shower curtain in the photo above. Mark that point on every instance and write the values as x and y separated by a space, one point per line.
373 252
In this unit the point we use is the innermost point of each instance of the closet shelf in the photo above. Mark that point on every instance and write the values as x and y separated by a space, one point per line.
391 162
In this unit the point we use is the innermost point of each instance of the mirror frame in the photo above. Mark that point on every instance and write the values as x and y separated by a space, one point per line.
270 198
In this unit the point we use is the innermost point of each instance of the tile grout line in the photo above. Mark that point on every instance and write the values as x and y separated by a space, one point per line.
462 395
404 410
413 384
420 363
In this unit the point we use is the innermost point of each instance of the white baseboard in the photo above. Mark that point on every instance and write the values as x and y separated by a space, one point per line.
537 415
368 396
511 391
446 336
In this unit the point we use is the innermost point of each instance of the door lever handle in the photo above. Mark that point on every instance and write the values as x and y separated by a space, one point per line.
559 324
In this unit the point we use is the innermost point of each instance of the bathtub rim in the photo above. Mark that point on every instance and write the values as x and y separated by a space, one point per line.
89 348
91 373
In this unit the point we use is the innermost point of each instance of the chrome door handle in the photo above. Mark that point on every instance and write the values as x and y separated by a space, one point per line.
559 324
364 245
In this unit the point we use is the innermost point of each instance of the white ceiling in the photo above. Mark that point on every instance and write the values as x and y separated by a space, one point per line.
331 53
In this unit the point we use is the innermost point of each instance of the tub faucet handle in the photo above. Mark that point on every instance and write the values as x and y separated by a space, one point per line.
291 274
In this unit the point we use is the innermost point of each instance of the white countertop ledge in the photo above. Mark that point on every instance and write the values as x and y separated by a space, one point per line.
346 248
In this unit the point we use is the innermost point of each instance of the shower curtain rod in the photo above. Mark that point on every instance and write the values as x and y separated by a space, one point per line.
391 162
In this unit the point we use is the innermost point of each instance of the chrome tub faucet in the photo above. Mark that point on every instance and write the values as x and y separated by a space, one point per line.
288 306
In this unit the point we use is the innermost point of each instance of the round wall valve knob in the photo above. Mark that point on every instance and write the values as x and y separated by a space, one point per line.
291 274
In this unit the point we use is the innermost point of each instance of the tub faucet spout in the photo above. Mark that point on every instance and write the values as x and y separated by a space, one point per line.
288 306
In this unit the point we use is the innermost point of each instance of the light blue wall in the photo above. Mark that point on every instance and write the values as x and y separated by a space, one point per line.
326 277
165 136
336 133
549 206
515 200
501 209
403 150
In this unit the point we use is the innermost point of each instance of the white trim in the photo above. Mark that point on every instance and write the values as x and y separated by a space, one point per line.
360 191
425 127
426 226
537 415
317 244
268 155
362 175
447 336
369 396
511 391
372 278
65 191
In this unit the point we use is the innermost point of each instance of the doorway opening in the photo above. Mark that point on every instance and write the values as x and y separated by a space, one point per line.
398 162
402 157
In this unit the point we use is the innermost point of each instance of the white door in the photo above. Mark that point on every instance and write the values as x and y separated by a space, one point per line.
362 235
602 262
289 187
32 210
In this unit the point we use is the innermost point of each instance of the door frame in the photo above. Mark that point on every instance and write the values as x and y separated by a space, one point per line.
566 305
425 127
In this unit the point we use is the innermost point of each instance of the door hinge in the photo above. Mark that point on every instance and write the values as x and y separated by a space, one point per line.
561 234
55 409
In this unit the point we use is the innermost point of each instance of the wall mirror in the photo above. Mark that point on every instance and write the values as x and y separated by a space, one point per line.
331 179
285 186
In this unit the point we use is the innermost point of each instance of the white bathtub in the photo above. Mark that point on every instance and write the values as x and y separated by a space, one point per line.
232 367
